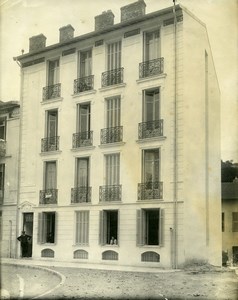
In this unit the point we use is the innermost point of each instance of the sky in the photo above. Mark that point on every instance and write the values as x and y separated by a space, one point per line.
21 19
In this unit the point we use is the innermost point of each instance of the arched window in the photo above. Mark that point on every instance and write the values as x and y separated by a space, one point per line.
110 255
150 256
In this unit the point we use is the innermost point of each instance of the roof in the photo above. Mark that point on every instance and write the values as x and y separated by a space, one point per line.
229 190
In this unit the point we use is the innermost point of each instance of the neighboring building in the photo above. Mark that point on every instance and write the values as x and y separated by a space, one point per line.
230 220
120 158
9 161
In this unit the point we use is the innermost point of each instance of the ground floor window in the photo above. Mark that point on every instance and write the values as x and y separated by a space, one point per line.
82 227
235 254
149 227
46 227
235 222
109 224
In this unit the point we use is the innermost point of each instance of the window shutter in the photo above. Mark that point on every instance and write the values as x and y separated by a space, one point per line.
161 227
139 233
118 227
56 225
40 228
101 228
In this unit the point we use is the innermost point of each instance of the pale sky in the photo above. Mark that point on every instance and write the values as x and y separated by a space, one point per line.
21 19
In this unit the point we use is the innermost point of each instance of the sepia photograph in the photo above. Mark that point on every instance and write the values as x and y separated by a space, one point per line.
119 149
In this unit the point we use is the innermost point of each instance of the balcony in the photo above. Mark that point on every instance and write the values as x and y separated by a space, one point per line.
151 67
112 77
82 139
111 135
50 144
150 190
83 84
48 196
150 129
2 148
108 193
52 91
81 194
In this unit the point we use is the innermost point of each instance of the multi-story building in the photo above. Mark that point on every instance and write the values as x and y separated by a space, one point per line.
9 161
120 156
230 220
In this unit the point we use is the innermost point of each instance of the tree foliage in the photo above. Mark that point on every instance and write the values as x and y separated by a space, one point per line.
229 171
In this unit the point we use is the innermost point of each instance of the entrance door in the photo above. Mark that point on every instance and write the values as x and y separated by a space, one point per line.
28 228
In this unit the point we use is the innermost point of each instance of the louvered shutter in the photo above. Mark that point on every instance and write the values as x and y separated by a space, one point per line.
161 227
40 229
140 237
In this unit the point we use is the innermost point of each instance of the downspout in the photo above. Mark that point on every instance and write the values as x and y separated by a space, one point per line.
19 161
175 208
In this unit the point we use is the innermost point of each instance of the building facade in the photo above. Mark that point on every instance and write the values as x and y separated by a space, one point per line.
230 221
120 129
9 161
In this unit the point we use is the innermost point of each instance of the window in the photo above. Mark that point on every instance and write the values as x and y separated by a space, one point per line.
152 45
151 111
46 227
84 117
3 122
151 166
114 56
82 175
82 228
52 142
53 72
235 221
112 169
85 65
109 224
2 179
223 222
149 227
50 175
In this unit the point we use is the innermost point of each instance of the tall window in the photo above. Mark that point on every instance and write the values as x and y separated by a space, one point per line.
149 227
113 56
113 106
53 72
2 179
46 227
82 228
151 105
109 227
3 128
50 175
112 169
85 65
82 175
223 222
235 221
52 130
152 45
84 114
151 165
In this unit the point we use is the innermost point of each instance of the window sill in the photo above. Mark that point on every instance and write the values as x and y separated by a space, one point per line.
84 148
153 139
48 244
50 153
110 246
81 246
48 101
112 87
144 201
85 93
149 78
109 145
149 246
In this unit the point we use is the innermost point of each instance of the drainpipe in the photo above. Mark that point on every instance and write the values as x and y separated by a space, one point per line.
19 160
175 208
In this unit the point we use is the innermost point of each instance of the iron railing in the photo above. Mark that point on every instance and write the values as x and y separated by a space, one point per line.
48 196
50 144
2 148
83 84
150 190
81 194
150 129
109 193
112 77
52 91
151 67
111 135
82 139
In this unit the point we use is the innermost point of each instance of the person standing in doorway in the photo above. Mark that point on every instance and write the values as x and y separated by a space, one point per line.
24 239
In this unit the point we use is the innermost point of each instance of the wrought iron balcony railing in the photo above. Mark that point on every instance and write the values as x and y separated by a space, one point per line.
50 144
150 190
151 67
2 148
52 91
83 84
81 194
111 135
150 129
109 193
82 139
48 196
112 77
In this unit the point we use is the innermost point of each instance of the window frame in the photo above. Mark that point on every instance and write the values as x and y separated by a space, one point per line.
79 117
45 174
43 229
80 73
4 126
112 166
77 160
146 55
53 78
113 111
154 110
81 236
113 61
144 166
104 232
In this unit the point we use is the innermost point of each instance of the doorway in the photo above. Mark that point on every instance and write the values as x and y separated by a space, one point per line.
28 228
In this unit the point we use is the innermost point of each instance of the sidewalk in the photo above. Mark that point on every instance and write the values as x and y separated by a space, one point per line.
62 264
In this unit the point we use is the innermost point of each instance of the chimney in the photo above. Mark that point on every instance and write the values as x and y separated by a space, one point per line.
105 20
66 33
133 10
37 42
